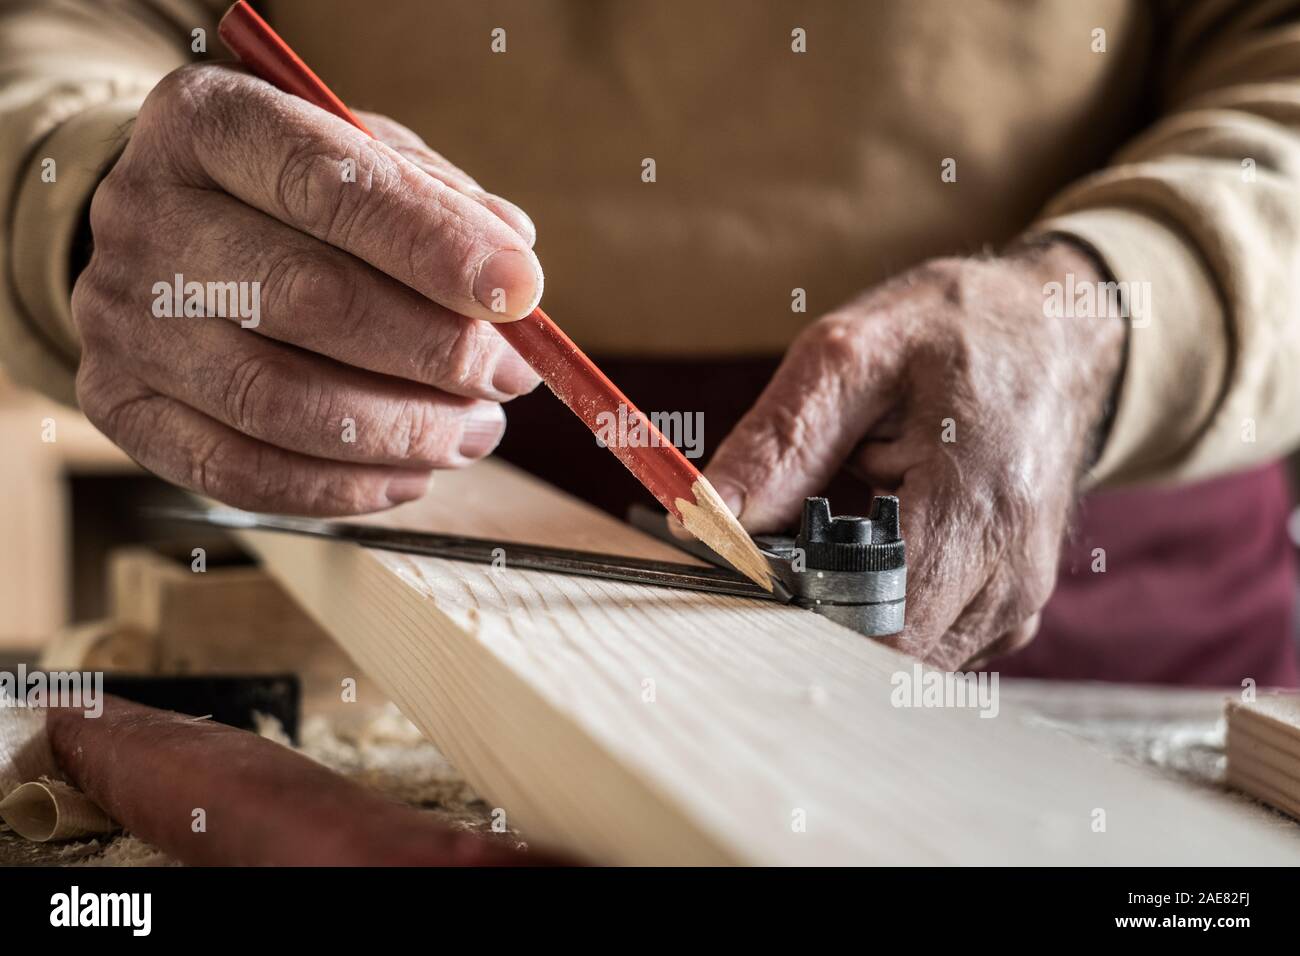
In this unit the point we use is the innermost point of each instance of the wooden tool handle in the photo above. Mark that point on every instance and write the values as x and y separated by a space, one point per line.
270 806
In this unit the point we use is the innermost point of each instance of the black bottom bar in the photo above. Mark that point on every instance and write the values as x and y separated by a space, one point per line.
255 907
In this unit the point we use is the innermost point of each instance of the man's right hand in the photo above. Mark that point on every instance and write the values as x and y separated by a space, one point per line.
367 367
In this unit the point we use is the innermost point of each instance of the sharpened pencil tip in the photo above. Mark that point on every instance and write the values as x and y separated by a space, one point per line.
709 519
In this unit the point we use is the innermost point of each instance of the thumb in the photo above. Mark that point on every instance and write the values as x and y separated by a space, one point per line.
838 377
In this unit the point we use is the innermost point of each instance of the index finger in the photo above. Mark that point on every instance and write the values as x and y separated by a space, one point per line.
326 178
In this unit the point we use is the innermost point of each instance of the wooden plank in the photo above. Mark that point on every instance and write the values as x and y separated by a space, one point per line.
537 686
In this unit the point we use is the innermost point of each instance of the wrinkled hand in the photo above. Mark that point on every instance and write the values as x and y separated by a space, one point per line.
951 387
363 367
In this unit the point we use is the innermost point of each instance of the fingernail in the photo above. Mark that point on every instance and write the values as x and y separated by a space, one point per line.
482 431
732 497
509 283
514 376
408 485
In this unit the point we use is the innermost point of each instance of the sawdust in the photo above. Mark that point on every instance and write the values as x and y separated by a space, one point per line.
710 520
125 850
1189 749
388 753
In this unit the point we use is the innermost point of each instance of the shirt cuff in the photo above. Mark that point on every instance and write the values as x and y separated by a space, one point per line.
47 219
1178 341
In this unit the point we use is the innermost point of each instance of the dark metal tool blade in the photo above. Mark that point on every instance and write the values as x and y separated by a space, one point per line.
527 557
232 699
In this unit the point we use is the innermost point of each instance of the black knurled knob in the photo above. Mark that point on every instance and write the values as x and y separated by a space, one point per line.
851 543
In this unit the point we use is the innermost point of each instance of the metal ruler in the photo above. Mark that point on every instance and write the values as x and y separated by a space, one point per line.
850 569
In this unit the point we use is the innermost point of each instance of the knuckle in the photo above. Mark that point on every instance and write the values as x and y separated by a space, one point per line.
195 112
124 419
458 247
334 491
254 404
421 434
787 433
176 96
458 361
761 447
310 189
208 467
340 495
232 471
133 214
91 307
837 342
182 88
307 285
109 206
179 106
270 483
300 186
220 469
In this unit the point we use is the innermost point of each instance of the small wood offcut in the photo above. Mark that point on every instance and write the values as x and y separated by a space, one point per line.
1264 750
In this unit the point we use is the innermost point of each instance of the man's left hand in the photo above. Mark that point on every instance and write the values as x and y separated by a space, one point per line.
954 387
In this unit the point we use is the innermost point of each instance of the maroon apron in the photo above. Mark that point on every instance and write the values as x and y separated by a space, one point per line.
1199 582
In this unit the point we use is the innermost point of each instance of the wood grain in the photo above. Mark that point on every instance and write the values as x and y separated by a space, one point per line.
535 686
1264 749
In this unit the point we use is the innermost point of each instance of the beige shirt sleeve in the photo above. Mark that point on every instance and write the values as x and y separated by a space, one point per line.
1204 206
73 74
